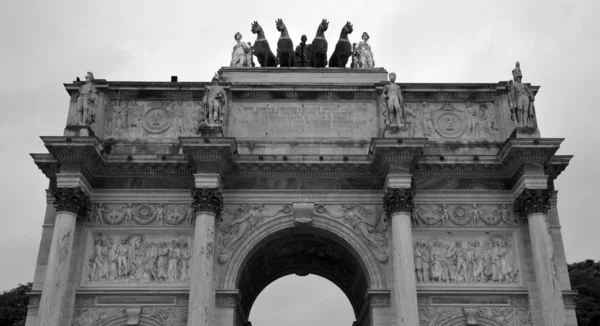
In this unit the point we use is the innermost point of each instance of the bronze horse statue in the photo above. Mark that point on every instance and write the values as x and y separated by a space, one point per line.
318 48
262 51
343 48
285 47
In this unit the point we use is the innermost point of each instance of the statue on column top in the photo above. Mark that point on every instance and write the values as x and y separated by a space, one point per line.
394 102
520 99
365 55
86 101
213 103
242 53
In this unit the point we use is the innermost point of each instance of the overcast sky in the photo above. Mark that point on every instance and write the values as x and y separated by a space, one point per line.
47 43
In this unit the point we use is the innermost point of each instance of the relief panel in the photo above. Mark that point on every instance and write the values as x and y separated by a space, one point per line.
142 214
118 258
463 215
482 259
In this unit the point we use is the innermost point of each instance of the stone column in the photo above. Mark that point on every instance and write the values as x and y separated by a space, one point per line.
534 205
208 203
69 203
398 203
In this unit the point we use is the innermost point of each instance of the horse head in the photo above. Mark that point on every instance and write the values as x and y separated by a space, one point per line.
324 25
280 25
255 27
348 28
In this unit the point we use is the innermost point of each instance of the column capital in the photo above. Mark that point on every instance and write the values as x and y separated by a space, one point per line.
397 200
207 200
71 199
531 201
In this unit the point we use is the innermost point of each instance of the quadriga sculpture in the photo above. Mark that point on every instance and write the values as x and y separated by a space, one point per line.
262 51
343 48
318 48
285 47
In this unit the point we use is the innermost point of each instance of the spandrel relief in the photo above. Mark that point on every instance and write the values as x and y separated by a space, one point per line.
449 121
484 259
463 215
137 119
235 225
135 258
369 225
142 214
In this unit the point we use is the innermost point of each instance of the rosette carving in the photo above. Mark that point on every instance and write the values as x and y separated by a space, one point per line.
207 200
533 201
71 199
398 200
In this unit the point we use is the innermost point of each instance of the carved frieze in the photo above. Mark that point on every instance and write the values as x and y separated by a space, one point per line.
71 199
463 215
135 119
142 214
466 259
450 121
236 226
133 258
369 225
439 315
171 316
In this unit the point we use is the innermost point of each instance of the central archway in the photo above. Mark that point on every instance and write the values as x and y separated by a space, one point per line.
325 247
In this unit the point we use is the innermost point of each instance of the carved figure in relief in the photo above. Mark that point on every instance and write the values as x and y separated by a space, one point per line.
96 261
365 55
318 48
285 47
100 211
163 256
455 262
445 214
189 214
242 53
123 252
86 101
185 257
520 99
343 48
151 260
214 102
428 125
475 214
128 215
303 53
246 218
392 94
359 218
471 118
160 213
262 50
174 256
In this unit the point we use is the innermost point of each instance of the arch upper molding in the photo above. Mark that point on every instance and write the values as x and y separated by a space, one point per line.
122 320
320 225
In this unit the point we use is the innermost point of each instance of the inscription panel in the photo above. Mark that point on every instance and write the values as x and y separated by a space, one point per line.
303 120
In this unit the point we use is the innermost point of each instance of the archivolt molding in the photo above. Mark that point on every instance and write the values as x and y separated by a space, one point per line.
361 250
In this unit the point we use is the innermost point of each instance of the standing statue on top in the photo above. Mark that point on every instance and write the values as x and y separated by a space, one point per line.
343 48
318 48
302 53
214 103
285 47
242 53
394 102
262 50
520 99
86 101
365 55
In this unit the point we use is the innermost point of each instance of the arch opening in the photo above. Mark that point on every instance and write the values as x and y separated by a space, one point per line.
302 300
303 251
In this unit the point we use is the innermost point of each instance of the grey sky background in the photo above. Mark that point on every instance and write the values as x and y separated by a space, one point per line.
47 43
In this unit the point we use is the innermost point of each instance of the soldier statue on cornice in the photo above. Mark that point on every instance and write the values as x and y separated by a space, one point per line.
86 101
520 99
213 104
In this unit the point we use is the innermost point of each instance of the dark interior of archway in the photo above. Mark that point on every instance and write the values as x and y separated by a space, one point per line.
302 252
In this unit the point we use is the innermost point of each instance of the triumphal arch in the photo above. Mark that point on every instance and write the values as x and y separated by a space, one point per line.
177 203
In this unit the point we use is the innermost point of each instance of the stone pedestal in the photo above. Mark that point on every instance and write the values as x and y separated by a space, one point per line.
208 204
534 204
69 203
398 205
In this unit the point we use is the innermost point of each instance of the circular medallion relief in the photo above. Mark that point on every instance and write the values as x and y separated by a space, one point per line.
144 214
450 124
156 121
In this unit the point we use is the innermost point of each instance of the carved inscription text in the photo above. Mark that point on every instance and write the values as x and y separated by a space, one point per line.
303 120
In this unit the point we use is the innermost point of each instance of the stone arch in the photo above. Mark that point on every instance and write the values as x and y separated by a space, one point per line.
144 321
327 231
